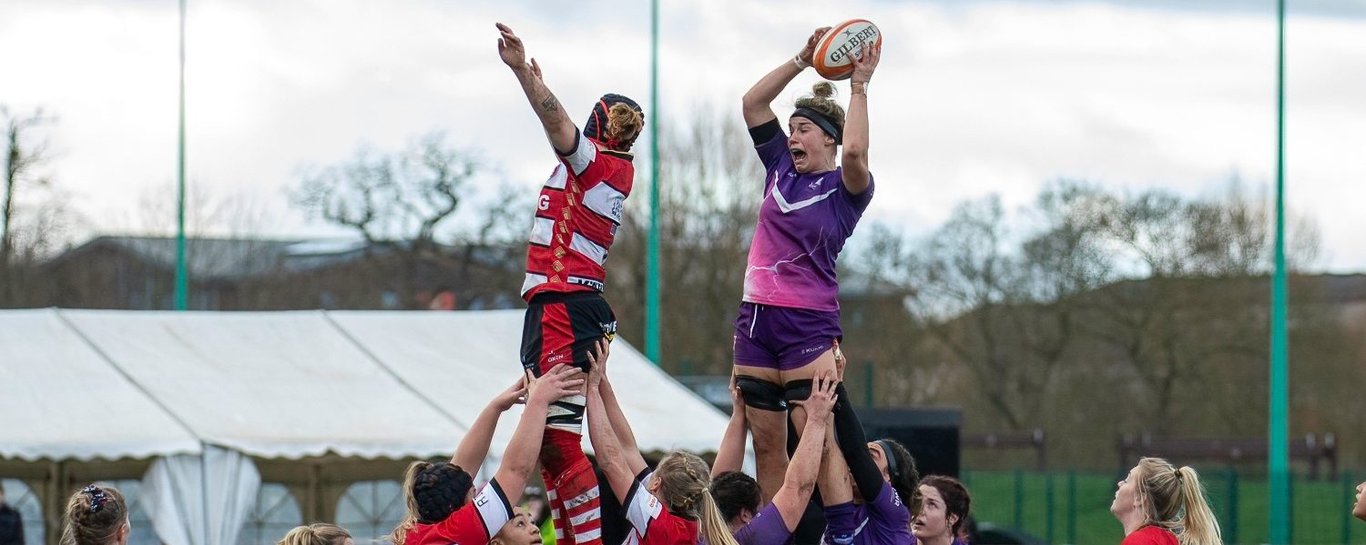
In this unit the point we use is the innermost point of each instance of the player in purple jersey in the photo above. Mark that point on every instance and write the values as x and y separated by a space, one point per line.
814 193
737 494
942 513
872 512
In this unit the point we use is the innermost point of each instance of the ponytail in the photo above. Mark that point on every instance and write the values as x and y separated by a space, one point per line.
1176 502
623 126
713 528
1200 526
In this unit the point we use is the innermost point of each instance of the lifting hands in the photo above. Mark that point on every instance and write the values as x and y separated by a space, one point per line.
563 380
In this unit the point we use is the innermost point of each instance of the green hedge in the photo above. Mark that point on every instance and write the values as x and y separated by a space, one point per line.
1074 508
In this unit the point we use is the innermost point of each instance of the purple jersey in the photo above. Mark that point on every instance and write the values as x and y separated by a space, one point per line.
883 521
766 528
803 222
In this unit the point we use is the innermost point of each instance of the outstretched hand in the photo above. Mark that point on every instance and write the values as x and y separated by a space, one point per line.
808 51
515 394
737 397
597 362
512 51
563 380
865 62
822 399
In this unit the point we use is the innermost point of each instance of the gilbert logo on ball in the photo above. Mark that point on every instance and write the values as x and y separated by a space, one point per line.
832 56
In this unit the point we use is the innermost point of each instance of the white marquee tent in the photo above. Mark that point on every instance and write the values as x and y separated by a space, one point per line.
203 407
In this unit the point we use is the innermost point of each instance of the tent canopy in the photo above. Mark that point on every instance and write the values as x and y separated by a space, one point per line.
112 384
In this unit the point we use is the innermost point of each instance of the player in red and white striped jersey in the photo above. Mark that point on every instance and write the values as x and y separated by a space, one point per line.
576 219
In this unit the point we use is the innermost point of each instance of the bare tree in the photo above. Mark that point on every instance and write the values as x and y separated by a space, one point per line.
395 201
24 155
393 197
711 184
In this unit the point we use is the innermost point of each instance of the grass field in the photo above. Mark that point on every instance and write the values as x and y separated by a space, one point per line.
1075 508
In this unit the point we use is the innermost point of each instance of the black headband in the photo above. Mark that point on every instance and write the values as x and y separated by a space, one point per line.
893 468
825 123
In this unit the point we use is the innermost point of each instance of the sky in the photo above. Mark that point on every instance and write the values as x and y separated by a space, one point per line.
972 97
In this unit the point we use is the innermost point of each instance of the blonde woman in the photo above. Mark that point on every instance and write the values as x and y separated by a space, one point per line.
817 184
670 506
96 515
318 533
1160 504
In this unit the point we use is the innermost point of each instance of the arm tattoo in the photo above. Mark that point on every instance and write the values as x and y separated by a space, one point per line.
550 104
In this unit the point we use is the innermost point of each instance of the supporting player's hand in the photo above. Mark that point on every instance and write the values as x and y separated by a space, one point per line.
514 395
840 361
737 398
822 399
563 380
865 62
808 51
511 50
597 362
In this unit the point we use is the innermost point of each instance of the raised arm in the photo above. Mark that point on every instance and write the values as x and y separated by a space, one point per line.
853 447
800 479
854 158
755 104
520 457
635 461
475 446
606 446
730 455
559 129
833 479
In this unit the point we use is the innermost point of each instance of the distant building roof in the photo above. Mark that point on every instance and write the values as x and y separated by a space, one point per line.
235 258
208 258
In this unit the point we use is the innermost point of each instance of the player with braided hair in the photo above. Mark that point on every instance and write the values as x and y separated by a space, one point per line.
575 223
443 506
672 505
96 515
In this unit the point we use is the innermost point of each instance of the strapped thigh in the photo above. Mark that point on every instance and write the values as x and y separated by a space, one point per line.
797 390
761 394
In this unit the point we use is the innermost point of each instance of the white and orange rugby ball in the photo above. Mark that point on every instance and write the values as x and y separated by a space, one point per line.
832 56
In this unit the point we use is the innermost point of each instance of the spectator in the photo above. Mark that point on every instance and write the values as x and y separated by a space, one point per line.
11 523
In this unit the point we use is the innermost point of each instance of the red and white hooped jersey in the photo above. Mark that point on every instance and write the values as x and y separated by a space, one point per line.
651 522
472 524
576 220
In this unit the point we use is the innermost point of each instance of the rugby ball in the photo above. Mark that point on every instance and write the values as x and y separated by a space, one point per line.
832 56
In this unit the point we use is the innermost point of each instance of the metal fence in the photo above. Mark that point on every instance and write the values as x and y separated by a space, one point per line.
1074 507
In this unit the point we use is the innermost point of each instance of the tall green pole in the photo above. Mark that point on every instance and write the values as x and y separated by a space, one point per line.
1278 456
652 253
182 283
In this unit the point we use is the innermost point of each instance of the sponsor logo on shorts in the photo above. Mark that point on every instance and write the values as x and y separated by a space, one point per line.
811 349
609 330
